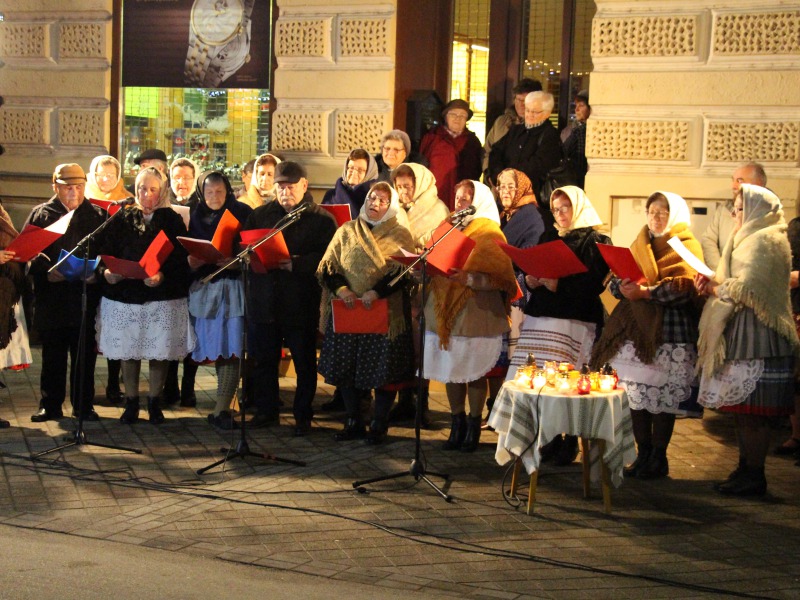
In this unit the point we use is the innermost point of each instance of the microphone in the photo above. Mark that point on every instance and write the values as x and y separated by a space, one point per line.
123 202
460 214
299 210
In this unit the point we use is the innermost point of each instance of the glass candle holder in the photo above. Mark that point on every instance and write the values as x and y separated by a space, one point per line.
539 379
563 383
550 371
594 377
607 383
584 385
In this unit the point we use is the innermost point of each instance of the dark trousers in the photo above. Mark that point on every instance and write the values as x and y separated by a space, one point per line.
265 342
57 345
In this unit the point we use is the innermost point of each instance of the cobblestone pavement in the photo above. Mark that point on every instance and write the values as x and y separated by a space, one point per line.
669 538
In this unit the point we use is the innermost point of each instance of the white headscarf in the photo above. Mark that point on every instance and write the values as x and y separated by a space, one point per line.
394 205
484 203
254 181
583 213
678 211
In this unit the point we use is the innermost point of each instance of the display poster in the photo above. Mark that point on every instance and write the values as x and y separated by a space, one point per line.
196 43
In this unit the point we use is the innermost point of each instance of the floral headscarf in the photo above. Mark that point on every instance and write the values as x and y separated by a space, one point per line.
524 194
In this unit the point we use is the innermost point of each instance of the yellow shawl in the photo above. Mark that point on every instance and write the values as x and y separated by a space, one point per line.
487 257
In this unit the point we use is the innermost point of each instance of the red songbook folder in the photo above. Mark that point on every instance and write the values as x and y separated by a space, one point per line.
359 319
220 246
341 212
268 255
552 260
621 262
451 253
106 205
148 265
32 239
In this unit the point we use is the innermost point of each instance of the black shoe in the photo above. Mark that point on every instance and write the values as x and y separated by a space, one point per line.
656 467
405 409
113 395
91 415
749 482
263 420
567 452
170 399
4 424
377 433
733 475
224 420
784 450
156 416
642 456
353 430
473 435
458 429
302 428
189 401
44 414
131 413
335 404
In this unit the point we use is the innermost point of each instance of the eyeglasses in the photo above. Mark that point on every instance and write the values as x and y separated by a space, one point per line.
561 210
383 202
457 116
389 150
658 214
507 188
356 170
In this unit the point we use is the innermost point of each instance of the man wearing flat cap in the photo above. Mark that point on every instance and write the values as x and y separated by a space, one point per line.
453 152
57 302
284 302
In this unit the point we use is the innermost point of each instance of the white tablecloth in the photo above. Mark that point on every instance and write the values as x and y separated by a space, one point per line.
526 420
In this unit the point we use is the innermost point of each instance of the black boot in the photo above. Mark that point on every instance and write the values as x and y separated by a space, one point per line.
131 413
733 475
458 429
377 433
353 430
335 404
749 482
473 435
171 394
642 456
188 397
154 409
656 467
425 420
405 409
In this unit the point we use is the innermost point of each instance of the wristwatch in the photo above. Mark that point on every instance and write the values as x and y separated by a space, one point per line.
219 41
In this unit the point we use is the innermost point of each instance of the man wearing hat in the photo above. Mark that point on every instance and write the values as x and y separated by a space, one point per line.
454 153
283 304
152 157
57 302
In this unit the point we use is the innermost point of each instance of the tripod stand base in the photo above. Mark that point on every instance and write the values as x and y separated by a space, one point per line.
79 439
242 451
418 472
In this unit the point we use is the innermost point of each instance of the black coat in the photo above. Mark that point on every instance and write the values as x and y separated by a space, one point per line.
58 304
291 297
577 296
128 236
533 151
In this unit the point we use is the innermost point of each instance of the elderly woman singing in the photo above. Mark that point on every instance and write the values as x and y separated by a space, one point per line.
357 265
748 341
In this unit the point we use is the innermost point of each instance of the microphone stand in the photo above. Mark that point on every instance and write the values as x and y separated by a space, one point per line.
242 449
78 381
417 469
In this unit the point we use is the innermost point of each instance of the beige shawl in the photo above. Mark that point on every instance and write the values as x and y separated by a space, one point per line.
425 214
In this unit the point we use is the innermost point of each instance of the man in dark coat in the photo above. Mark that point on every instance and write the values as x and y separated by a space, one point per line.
283 303
57 302
533 147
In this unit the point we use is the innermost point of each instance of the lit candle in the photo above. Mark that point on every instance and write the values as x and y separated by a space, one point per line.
539 379
550 371
584 384
606 383
564 384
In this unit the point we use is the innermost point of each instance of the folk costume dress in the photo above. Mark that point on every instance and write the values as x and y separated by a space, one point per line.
748 340
15 351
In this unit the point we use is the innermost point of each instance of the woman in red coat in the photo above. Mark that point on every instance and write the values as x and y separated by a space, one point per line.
453 151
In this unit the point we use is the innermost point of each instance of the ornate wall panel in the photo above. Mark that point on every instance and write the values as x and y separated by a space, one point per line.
364 37
298 131
639 140
20 40
737 142
645 36
23 126
81 40
359 130
80 128
303 38
772 33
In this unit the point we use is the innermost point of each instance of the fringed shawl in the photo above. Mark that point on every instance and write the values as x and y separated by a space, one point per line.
361 254
753 272
641 321
487 257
